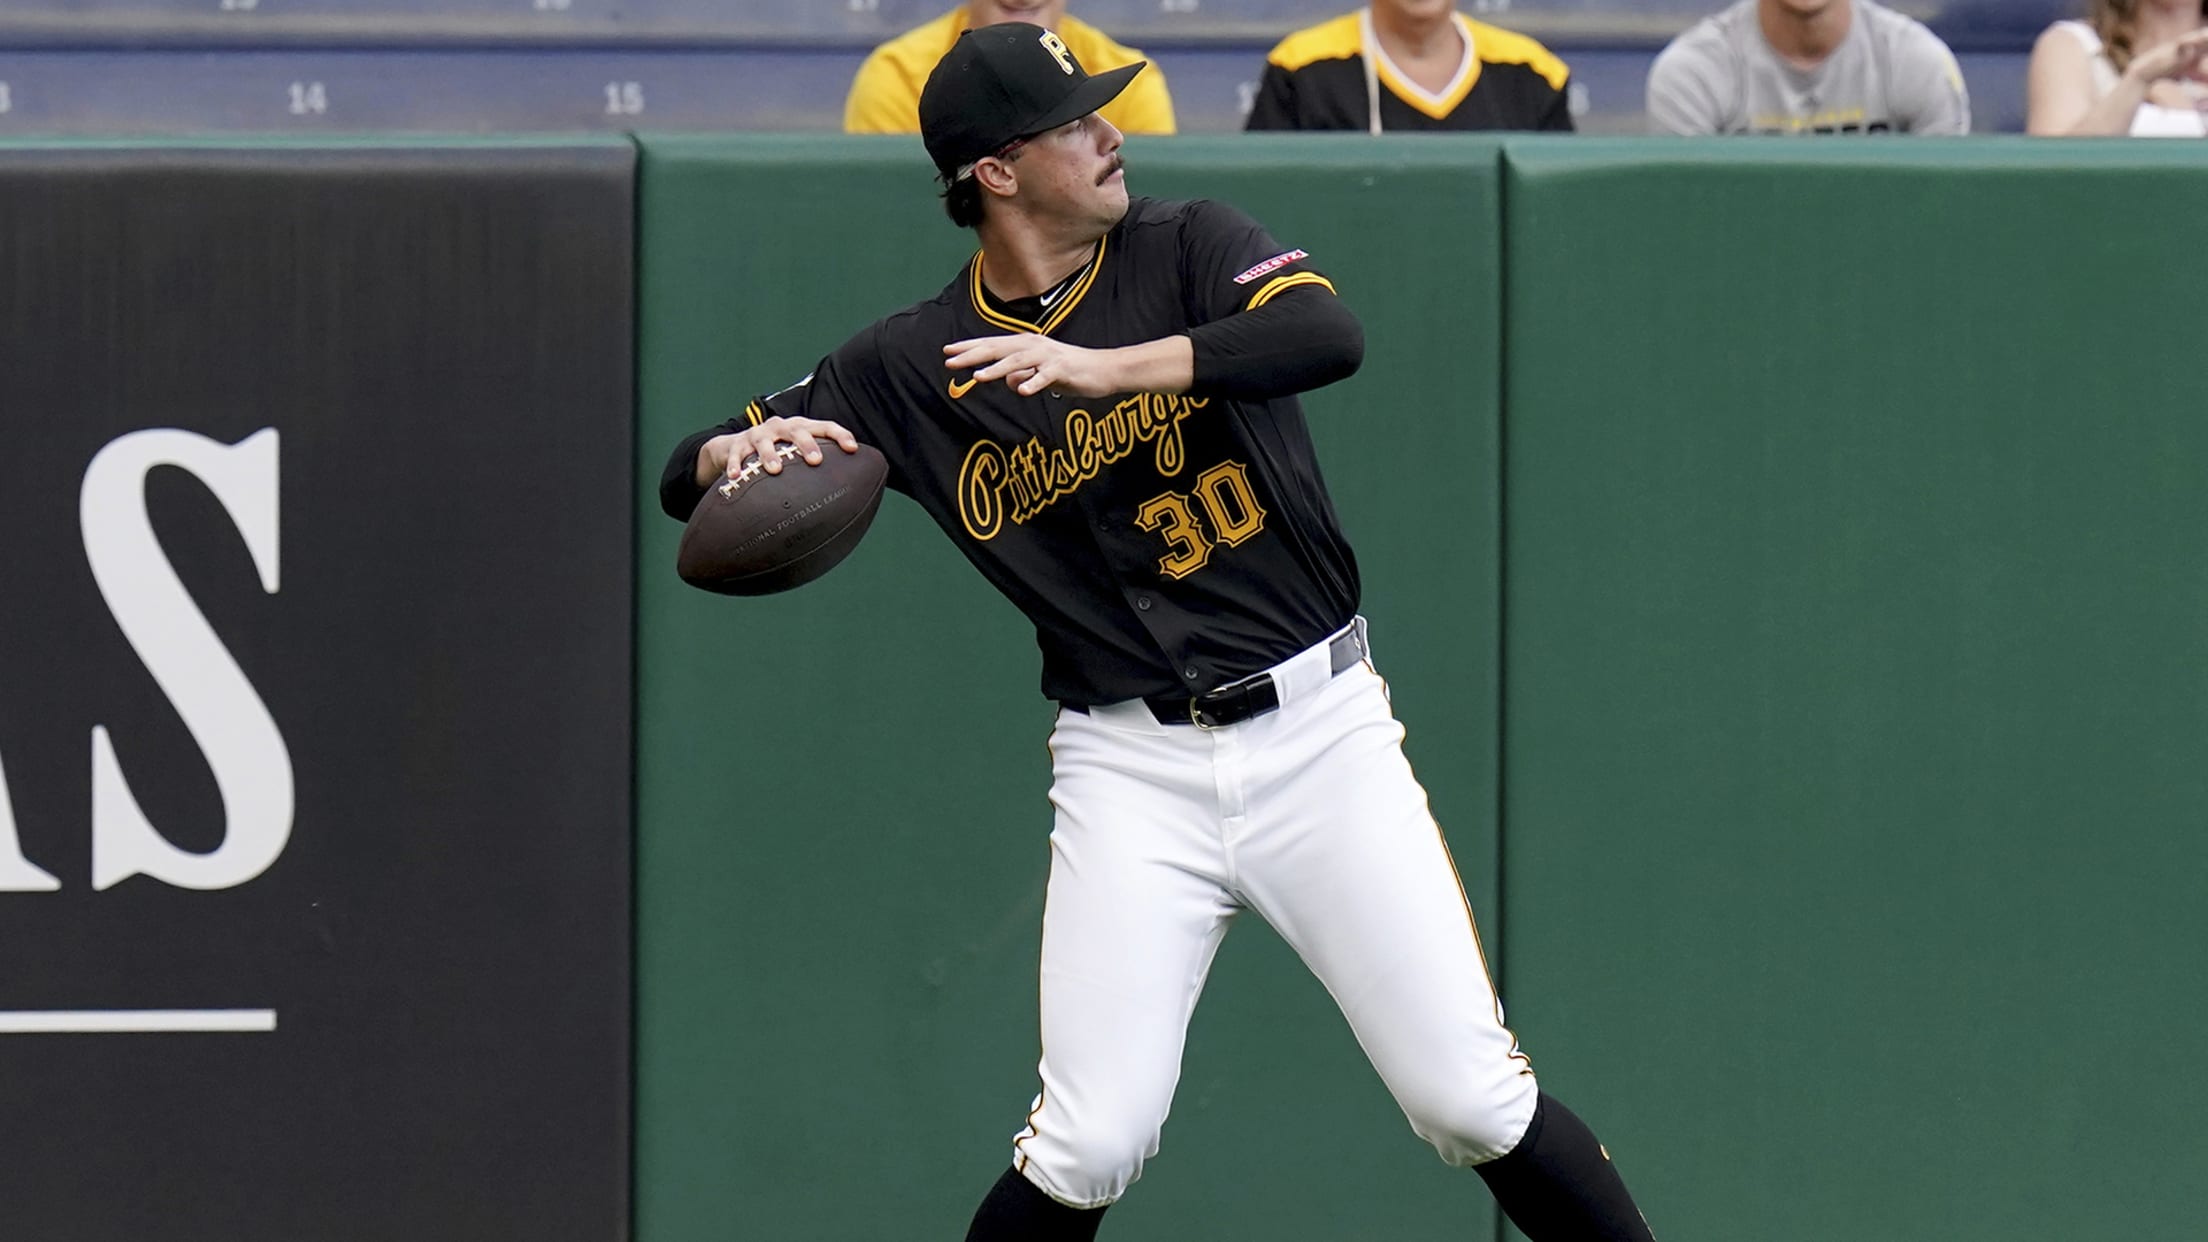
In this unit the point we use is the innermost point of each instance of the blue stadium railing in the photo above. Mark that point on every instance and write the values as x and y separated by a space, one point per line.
190 66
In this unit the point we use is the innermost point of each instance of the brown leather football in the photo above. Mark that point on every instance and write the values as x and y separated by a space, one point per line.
759 533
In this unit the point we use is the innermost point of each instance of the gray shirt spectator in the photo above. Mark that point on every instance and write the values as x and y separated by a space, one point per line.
1807 67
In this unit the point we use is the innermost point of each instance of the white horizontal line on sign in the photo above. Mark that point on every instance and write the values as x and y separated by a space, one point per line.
114 1021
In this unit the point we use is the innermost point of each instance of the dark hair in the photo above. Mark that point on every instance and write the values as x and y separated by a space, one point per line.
962 202
962 198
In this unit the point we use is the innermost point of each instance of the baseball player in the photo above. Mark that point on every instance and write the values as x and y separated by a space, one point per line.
1100 411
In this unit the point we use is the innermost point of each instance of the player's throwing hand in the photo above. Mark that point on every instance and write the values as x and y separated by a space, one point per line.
725 454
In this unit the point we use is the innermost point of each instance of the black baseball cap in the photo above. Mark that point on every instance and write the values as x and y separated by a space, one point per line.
1004 82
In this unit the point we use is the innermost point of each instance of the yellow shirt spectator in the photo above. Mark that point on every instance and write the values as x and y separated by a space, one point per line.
885 96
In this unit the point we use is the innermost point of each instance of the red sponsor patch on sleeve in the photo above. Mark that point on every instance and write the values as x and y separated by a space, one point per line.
1276 262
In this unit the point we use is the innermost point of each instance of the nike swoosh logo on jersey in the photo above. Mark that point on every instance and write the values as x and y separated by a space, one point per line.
959 390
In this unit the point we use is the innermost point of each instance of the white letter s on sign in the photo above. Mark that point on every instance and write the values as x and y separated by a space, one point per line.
226 718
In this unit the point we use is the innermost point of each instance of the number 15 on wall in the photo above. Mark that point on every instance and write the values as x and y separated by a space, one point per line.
624 98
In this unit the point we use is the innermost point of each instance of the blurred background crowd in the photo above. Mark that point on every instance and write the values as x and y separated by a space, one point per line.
1594 66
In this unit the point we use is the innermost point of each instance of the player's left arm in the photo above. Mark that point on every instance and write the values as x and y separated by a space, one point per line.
1264 324
1266 321
1033 363
1301 339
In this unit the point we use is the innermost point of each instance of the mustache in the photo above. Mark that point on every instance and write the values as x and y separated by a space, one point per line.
1118 165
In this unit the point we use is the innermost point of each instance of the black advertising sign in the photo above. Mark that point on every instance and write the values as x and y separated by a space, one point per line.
315 530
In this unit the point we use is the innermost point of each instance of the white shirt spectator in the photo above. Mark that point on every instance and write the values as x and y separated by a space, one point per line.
2152 120
2077 86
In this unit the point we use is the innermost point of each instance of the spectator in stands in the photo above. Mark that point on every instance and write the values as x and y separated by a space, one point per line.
1410 65
885 96
2091 77
1807 67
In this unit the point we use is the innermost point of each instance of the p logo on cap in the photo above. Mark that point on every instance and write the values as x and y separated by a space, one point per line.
1058 50
1005 82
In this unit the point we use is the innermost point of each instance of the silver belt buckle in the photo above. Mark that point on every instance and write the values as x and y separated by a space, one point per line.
1196 714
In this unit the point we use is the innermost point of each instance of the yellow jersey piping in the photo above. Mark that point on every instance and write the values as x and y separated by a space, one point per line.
1274 286
1471 921
1525 1065
1057 314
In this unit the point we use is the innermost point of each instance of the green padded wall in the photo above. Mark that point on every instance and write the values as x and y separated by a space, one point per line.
1856 679
841 791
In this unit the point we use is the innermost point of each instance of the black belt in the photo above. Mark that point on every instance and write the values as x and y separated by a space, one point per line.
1238 701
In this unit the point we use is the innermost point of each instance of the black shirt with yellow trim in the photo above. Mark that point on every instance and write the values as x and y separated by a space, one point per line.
1315 79
1160 543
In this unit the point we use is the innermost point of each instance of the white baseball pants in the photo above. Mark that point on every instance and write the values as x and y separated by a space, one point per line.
1309 816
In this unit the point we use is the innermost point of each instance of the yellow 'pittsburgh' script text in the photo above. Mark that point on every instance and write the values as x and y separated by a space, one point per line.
996 483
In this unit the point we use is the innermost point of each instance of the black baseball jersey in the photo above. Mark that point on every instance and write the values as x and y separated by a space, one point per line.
1316 79
1161 544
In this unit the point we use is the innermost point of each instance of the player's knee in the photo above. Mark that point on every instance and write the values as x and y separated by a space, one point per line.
1096 1164
1475 1122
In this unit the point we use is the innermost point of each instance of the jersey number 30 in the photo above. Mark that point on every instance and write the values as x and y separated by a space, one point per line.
1223 492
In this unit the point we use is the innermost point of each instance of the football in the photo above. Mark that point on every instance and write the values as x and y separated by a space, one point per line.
757 533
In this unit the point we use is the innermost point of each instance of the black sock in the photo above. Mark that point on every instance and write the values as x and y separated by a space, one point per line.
1558 1185
1017 1212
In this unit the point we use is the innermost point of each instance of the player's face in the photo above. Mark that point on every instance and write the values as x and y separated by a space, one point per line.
1074 173
1044 13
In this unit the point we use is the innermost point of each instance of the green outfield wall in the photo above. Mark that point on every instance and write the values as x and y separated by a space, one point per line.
1856 722
842 789
1790 562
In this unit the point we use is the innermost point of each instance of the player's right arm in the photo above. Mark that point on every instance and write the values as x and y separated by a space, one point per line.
724 454
827 407
707 456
